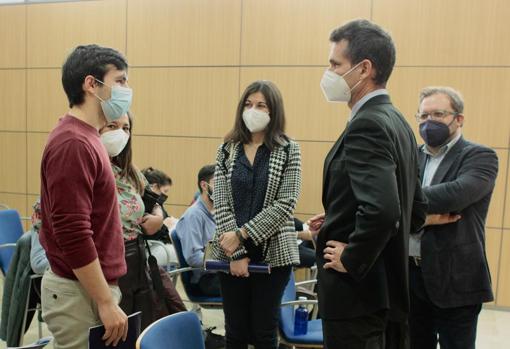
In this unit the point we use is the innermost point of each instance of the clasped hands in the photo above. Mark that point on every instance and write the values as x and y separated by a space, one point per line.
229 242
334 249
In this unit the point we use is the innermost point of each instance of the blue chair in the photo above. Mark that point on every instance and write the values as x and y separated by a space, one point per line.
39 344
313 338
178 331
185 271
10 231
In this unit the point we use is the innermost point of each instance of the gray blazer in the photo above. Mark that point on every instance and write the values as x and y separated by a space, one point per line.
274 225
454 262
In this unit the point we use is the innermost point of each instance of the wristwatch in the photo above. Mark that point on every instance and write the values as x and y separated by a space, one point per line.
240 236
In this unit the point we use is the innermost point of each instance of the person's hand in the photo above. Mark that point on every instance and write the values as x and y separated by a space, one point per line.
170 222
440 219
157 210
115 322
332 254
315 223
151 224
229 242
240 267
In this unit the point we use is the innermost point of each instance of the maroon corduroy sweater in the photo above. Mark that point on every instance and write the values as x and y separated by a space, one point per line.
80 212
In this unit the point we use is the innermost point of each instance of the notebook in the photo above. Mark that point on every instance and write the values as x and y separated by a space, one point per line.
215 265
134 324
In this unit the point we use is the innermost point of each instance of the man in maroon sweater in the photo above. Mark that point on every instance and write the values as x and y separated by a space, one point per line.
81 229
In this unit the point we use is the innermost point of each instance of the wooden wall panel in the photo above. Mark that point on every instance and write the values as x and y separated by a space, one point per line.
294 32
504 271
506 213
12 99
309 116
13 169
492 247
180 158
36 144
184 32
15 201
312 157
485 117
176 210
184 101
12 36
495 214
46 99
55 29
453 33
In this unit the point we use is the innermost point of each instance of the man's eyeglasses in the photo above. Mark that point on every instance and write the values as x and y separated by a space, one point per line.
434 115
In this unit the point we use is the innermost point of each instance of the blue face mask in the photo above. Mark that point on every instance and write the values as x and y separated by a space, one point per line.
118 104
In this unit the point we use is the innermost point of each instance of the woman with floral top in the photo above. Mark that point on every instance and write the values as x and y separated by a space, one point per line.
135 285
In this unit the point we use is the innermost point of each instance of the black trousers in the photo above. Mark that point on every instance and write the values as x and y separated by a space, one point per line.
135 285
371 331
455 327
251 307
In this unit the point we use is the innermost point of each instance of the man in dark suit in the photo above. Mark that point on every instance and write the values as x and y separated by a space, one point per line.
371 196
448 272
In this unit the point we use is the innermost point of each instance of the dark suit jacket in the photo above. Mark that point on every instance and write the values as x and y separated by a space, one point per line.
454 263
372 199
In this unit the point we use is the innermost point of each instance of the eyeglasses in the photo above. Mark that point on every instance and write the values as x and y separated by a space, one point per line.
434 115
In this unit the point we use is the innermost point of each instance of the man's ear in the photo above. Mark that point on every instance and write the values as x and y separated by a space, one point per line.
460 120
367 69
89 84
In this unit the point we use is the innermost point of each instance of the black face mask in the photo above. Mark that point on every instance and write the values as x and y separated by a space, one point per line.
162 198
210 193
435 133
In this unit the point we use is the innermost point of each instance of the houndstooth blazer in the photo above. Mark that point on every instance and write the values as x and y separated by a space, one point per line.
274 225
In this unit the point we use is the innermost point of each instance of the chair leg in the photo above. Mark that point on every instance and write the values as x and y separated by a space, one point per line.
197 310
39 323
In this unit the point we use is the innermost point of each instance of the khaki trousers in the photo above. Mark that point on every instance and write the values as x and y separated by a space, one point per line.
69 311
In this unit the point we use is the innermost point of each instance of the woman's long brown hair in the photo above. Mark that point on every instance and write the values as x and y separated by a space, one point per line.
275 130
125 162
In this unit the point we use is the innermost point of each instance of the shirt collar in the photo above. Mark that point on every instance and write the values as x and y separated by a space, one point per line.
203 206
445 148
362 101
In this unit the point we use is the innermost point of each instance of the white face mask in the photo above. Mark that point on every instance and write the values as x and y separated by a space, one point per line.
335 87
255 120
115 141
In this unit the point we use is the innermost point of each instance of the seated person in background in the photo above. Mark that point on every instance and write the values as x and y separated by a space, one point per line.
158 189
160 183
38 260
306 246
196 228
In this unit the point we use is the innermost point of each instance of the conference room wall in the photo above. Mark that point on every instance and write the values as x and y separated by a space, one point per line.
191 59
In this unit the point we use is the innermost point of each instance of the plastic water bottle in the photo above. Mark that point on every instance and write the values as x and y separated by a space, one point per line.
301 319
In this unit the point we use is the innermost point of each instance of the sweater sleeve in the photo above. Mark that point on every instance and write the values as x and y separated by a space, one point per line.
70 173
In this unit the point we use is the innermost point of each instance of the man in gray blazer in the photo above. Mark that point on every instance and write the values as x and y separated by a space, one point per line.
448 272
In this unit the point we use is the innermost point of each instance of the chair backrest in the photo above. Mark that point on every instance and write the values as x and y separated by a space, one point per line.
178 331
10 231
186 276
289 294
192 291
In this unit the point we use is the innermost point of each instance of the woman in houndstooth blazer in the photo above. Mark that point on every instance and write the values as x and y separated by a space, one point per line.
257 183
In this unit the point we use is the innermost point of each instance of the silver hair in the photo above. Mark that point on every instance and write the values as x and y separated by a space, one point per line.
455 97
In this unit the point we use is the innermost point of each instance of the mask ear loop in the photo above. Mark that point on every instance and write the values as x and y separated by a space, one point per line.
349 71
102 100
